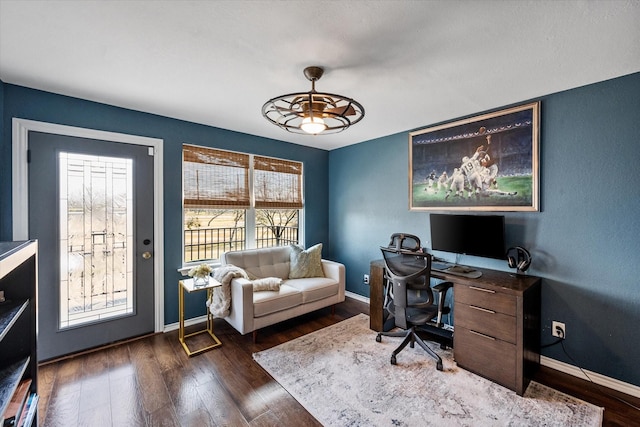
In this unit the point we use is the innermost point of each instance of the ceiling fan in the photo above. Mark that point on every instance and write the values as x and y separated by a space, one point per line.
313 112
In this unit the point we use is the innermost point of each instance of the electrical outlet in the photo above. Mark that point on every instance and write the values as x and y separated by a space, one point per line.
558 330
365 279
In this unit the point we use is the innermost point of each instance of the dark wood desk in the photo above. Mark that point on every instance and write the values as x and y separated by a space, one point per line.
496 323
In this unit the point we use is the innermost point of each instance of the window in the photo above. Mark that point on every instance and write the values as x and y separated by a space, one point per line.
233 201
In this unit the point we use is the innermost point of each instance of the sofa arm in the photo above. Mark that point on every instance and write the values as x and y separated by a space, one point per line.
241 313
336 271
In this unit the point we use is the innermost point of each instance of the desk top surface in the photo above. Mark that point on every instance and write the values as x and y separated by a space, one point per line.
498 280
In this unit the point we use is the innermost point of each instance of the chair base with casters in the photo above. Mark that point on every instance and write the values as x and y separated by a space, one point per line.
411 303
434 329
411 336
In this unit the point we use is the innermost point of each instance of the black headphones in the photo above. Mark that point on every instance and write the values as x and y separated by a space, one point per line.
520 258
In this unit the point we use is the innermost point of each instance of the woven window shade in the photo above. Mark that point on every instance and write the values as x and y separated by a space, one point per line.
215 179
277 183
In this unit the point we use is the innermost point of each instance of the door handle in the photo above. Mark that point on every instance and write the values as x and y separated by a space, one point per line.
146 255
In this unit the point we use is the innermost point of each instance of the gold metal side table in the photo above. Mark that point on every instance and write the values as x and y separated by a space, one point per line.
188 286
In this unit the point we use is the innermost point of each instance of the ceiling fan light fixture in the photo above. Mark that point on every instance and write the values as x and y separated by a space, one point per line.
313 125
313 112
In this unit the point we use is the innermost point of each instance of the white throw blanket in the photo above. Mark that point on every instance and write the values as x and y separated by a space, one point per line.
220 302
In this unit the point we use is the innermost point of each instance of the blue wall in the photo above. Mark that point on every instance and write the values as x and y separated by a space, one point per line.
585 241
36 105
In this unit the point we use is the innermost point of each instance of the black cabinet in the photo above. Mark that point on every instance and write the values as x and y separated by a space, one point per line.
18 357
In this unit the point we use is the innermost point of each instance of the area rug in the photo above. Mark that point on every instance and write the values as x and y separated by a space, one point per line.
343 377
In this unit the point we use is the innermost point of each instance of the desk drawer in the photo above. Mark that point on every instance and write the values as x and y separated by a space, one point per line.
491 358
485 298
487 322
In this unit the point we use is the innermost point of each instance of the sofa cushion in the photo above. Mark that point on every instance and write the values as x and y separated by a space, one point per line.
315 288
305 263
266 284
261 263
272 301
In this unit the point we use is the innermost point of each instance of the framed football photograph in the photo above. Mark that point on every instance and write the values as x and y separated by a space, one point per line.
483 163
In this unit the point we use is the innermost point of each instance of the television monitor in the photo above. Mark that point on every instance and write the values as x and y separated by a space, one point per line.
478 235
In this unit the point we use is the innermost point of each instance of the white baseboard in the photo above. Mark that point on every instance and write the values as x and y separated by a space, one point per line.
188 322
357 297
595 377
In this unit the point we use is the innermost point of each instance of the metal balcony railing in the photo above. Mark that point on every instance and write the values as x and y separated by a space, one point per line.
267 236
210 243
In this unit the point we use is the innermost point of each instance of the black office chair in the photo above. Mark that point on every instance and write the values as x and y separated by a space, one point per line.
410 242
398 241
411 299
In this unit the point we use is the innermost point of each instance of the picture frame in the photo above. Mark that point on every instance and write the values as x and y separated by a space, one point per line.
487 162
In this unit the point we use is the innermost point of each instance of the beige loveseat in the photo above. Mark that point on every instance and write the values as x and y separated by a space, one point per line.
251 310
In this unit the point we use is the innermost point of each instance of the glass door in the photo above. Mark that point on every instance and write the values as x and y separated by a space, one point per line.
91 209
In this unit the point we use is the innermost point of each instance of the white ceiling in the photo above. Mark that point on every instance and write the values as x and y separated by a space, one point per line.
410 63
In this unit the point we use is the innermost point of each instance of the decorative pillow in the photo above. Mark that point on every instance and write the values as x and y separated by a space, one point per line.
267 284
305 263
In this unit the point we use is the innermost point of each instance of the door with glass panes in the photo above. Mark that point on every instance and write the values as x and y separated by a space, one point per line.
91 209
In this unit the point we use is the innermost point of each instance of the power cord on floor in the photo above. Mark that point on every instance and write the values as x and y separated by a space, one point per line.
601 388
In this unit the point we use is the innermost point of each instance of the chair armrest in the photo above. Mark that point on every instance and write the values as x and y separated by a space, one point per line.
442 287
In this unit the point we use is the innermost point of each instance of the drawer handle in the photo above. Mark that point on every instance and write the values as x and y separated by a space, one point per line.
475 288
482 309
482 335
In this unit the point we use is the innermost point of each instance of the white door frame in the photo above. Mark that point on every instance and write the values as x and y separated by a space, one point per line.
20 186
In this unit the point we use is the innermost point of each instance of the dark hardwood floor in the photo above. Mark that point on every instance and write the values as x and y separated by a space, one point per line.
152 382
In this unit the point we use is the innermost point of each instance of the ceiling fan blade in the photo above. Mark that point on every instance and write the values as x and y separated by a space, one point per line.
288 111
346 110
